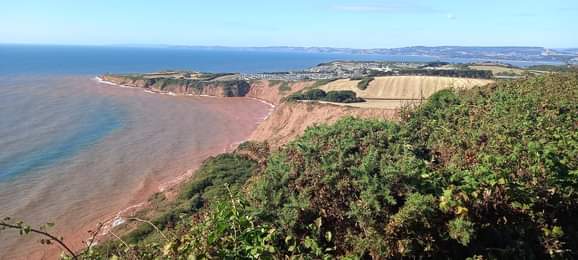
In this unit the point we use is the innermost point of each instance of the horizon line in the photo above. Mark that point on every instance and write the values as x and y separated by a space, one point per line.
271 46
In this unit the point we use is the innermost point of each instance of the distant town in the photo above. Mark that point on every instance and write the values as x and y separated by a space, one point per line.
454 53
361 69
367 69
364 69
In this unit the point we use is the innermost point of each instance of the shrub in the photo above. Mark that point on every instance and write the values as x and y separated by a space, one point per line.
314 94
364 83
209 180
227 231
342 96
484 172
207 185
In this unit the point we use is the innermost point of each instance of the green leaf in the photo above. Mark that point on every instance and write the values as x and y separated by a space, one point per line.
328 236
318 223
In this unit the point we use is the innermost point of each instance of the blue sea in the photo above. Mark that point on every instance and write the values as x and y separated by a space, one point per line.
26 59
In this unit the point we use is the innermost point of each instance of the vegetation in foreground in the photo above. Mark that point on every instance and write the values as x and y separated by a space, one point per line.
485 173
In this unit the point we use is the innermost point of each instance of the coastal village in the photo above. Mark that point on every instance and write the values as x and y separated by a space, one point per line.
360 69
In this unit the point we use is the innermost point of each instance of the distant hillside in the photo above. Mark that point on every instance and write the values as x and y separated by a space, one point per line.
536 54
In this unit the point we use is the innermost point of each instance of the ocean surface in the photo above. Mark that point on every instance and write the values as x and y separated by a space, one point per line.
76 152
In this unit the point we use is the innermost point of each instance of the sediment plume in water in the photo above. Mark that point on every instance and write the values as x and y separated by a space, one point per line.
128 144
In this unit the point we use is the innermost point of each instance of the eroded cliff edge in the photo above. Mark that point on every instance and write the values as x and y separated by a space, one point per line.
290 119
270 91
224 88
287 121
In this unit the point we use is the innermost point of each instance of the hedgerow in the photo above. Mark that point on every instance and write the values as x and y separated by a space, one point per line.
337 96
364 83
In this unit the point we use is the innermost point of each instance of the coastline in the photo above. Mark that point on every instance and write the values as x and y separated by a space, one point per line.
106 82
289 116
118 218
241 116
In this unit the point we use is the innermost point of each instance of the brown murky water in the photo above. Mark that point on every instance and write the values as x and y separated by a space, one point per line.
130 145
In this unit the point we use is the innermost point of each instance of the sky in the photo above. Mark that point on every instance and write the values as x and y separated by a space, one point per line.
305 23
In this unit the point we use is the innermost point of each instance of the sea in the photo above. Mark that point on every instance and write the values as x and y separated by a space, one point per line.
76 152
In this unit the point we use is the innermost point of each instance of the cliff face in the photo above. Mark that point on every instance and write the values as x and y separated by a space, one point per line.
290 120
230 88
287 121
270 91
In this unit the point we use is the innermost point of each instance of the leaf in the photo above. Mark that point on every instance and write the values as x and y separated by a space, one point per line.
308 243
167 249
460 211
271 249
318 222
557 232
288 239
328 236
211 238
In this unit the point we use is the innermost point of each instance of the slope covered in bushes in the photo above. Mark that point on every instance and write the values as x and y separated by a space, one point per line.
489 172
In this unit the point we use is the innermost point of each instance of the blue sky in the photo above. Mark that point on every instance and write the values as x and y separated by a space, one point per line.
337 23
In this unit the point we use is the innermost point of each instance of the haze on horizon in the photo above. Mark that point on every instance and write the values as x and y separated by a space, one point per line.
340 23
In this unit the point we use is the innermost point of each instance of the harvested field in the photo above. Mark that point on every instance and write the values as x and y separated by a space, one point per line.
404 87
